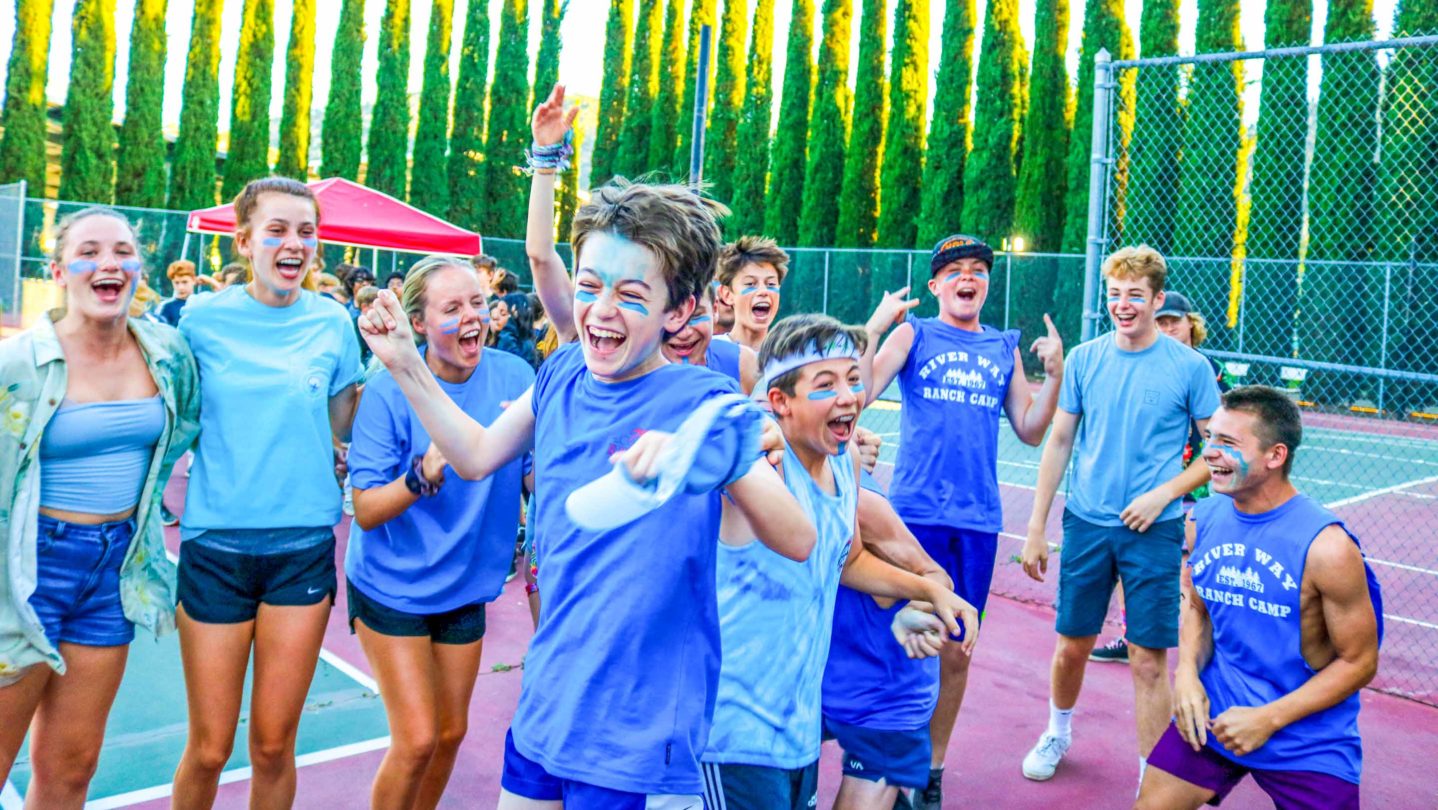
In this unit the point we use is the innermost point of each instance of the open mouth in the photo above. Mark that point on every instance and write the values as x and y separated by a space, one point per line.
1125 318
1219 473
842 428
684 348
108 290
762 309
469 341
966 294
603 341
290 269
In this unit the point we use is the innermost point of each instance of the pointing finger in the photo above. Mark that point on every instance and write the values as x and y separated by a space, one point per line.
1053 330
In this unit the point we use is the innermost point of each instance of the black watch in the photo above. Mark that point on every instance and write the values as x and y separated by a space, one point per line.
415 481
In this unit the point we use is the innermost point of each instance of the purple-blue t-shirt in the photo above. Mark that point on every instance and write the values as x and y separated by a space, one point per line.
954 383
723 357
621 676
453 548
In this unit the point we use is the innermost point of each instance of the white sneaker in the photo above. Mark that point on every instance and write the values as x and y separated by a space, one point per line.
1041 762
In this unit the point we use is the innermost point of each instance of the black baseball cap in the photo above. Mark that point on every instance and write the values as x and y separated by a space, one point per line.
960 246
1175 305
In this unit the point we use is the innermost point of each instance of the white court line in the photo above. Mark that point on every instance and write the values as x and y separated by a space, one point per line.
1406 567
1405 442
1406 620
1379 456
1384 491
237 775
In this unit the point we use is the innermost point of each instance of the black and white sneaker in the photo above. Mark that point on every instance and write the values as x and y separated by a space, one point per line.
167 517
1114 652
932 796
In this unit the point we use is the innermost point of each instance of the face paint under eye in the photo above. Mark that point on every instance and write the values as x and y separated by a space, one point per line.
586 296
830 394
272 241
1239 464
634 306
309 241
131 266
698 319
82 266
1138 302
449 327
857 388
752 290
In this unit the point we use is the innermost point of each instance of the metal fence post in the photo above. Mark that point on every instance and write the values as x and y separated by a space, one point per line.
1242 298
1383 341
826 282
1008 284
909 274
1097 202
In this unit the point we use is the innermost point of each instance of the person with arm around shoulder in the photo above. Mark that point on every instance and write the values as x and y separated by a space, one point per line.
97 407
278 371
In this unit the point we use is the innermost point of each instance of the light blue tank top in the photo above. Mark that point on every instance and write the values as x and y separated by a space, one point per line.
774 621
723 357
1249 571
94 455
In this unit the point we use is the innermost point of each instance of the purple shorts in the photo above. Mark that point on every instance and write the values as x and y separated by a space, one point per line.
1289 790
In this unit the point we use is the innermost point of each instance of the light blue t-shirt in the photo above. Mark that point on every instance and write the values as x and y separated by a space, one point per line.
265 456
620 677
1134 412
775 618
453 548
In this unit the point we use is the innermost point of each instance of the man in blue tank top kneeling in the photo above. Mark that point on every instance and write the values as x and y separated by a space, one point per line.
1282 629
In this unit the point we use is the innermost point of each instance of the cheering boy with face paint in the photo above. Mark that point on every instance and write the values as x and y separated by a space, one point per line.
958 376
1282 630
776 614
599 653
1127 401
750 272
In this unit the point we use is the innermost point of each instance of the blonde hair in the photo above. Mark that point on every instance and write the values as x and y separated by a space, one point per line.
327 280
142 299
62 228
1198 328
1135 262
416 282
365 297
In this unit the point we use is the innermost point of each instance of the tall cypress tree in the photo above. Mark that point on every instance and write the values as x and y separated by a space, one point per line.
904 136
466 139
508 124
1153 158
1104 28
828 129
859 195
192 168
751 158
294 159
786 182
546 74
568 196
22 149
942 199
428 185
249 154
1275 218
614 94
386 157
87 158
342 134
1039 204
721 140
1206 219
665 118
643 88
991 176
140 169
701 13
1341 319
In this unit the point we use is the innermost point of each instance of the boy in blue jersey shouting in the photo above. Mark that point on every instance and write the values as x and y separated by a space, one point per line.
618 691
958 377
1282 629
776 614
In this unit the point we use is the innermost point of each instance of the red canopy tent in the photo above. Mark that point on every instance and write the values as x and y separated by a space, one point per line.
353 215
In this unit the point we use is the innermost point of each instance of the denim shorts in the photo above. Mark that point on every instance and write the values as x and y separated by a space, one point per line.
227 587
1095 558
77 593
463 625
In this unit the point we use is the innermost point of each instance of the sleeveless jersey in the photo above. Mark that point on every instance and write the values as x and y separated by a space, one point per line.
723 356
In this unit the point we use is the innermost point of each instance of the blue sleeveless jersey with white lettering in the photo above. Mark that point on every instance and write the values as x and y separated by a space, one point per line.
954 383
1249 570
774 621
723 357
870 681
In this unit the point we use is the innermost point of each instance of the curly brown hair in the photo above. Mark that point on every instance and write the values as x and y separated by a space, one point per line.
751 250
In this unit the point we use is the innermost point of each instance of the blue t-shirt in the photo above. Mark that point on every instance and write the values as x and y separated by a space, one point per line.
1134 412
774 618
265 456
620 677
453 548
954 383
869 680
722 356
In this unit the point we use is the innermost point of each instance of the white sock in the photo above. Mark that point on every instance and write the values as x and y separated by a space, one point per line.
1142 767
1060 721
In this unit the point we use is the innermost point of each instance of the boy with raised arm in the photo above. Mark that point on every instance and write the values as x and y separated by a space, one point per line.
775 614
1124 412
1282 630
618 688
958 378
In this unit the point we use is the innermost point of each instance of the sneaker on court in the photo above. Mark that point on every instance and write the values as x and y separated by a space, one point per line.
1041 762
167 517
932 796
1114 652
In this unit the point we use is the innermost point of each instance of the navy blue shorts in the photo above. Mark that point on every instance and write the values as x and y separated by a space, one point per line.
77 592
524 777
758 787
897 757
966 556
224 587
463 625
1095 558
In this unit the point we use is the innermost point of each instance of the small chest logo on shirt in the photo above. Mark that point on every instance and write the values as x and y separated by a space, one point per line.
1150 396
960 377
314 383
619 444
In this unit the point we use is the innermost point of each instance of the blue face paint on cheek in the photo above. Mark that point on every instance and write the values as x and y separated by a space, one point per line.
634 306
272 241
82 266
449 327
1237 462
1138 302
131 266
830 394
699 319
858 389
586 296
310 242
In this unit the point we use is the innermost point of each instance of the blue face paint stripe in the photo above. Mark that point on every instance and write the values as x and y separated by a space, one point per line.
449 327
634 306
752 290
698 319
830 394
82 266
858 389
272 241
309 241
131 266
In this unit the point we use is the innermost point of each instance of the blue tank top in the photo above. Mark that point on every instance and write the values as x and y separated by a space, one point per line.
723 356
954 384
869 680
94 456
774 615
1249 571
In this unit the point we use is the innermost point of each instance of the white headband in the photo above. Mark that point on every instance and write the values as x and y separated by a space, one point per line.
841 348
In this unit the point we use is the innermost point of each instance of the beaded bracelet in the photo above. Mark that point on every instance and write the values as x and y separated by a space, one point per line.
553 156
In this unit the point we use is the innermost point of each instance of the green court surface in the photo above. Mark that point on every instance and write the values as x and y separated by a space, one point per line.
146 732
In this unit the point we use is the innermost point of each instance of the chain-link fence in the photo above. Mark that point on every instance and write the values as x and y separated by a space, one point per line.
1296 194
12 202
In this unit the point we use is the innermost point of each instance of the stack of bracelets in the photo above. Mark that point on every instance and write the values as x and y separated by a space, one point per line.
554 157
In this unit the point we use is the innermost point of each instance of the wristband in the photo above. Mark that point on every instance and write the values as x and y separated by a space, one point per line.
553 156
415 481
